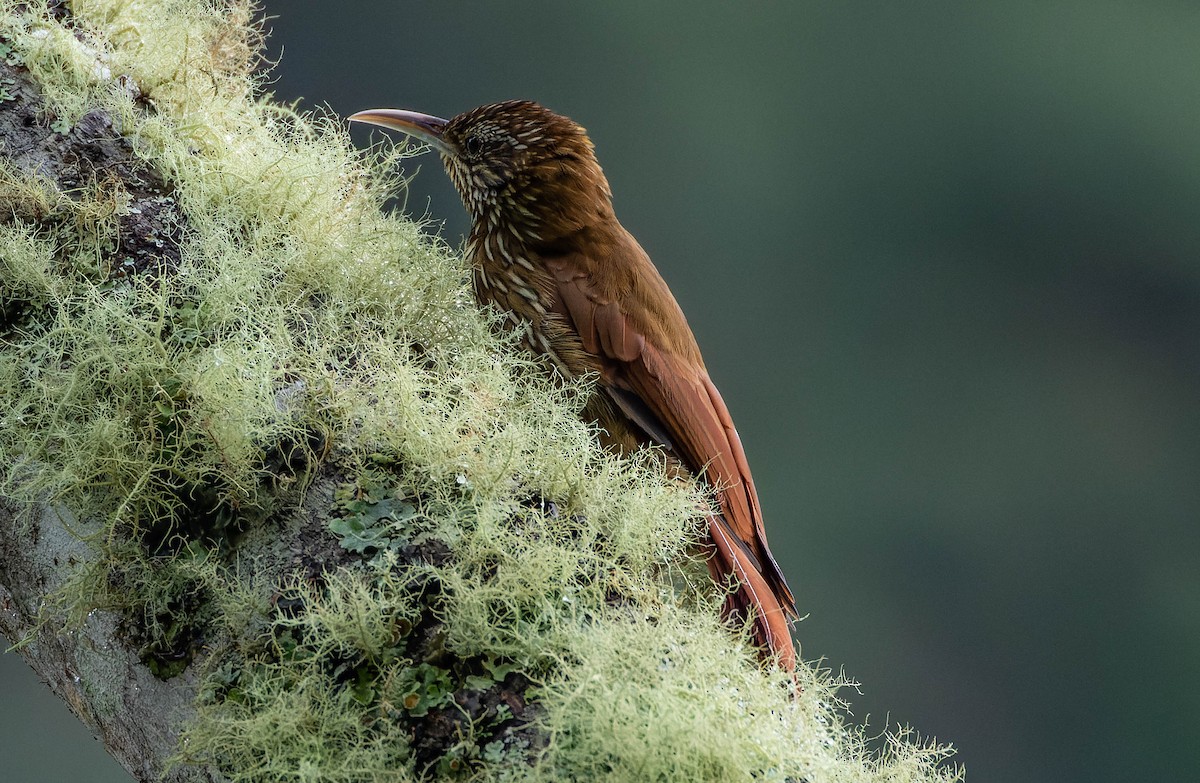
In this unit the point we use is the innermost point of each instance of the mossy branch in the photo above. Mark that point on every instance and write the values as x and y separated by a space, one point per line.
279 505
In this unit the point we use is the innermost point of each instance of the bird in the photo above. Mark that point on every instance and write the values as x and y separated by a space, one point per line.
547 250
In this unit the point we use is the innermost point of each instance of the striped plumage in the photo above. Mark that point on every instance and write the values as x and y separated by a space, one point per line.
548 250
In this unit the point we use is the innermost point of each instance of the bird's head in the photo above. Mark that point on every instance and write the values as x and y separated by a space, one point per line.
515 164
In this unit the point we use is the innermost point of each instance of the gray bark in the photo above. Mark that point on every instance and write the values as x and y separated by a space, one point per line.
96 669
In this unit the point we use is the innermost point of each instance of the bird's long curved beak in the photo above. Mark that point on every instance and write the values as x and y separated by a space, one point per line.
425 127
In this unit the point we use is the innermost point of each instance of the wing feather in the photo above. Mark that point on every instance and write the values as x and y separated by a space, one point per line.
674 397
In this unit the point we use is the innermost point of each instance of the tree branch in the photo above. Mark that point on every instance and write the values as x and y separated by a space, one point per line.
277 502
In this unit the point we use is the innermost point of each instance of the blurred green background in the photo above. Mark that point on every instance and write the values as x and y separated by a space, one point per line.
944 262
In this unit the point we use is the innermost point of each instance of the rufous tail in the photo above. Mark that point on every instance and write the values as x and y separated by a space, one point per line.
751 597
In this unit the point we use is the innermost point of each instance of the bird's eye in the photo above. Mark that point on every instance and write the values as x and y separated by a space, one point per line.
474 145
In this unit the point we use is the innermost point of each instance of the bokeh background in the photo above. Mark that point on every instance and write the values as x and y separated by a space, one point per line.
944 262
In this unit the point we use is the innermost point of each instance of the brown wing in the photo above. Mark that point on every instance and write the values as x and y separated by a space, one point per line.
652 370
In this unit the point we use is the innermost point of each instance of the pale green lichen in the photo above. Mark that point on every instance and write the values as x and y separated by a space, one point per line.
296 307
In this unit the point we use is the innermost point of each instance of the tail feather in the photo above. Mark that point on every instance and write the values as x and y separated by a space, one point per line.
752 596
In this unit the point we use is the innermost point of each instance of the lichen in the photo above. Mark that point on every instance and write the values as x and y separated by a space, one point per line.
299 329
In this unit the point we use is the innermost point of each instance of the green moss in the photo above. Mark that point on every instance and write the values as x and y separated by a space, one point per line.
174 413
